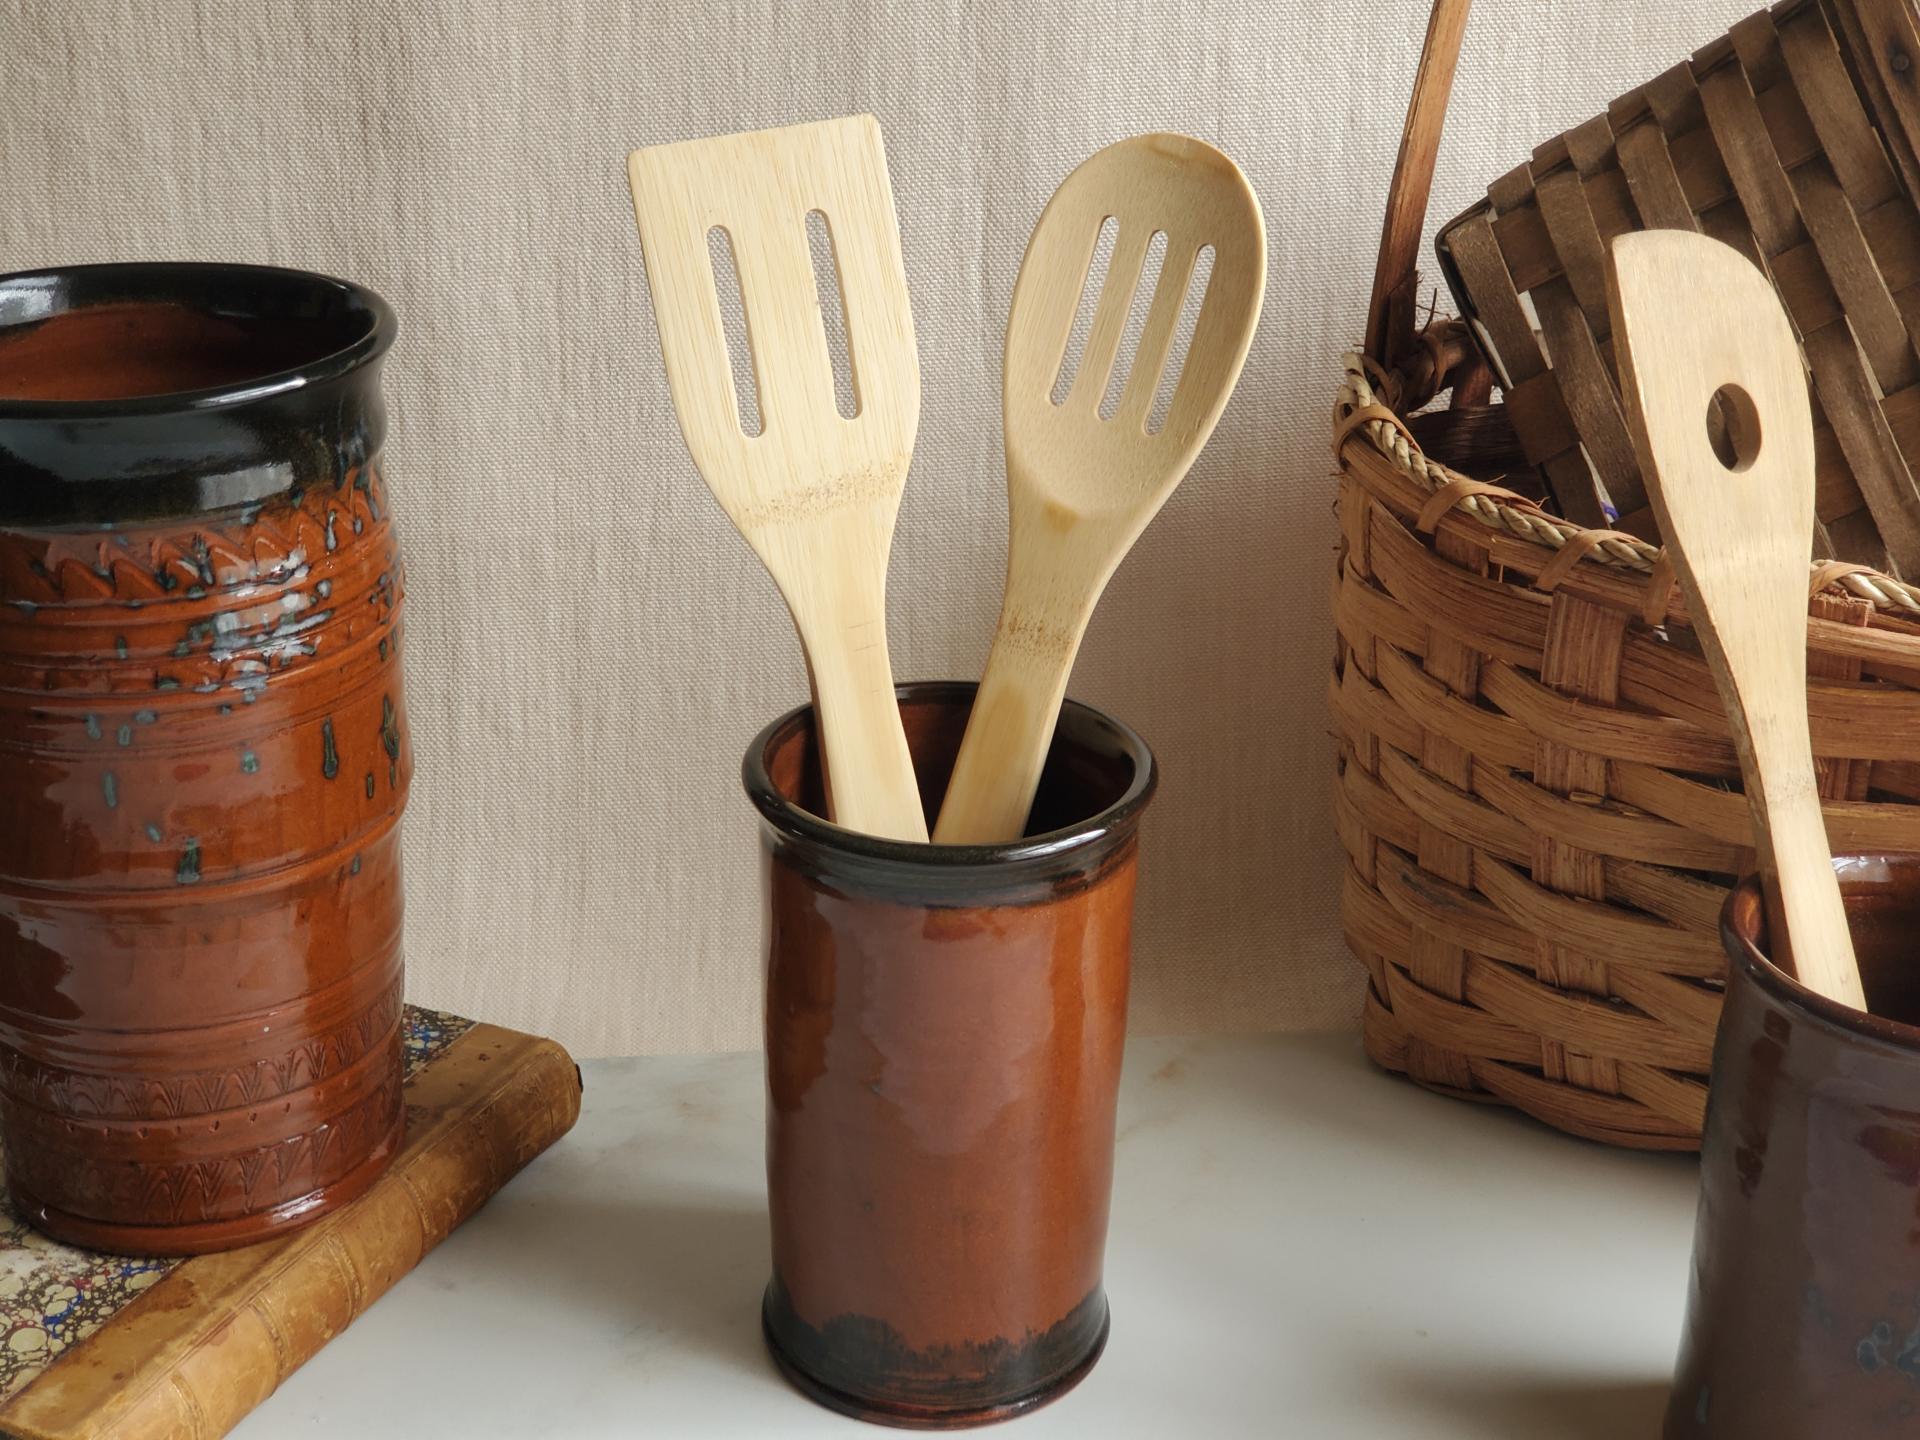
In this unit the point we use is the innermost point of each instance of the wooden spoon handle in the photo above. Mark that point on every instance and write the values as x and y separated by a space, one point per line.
859 748
1008 735
869 769
1058 562
1805 911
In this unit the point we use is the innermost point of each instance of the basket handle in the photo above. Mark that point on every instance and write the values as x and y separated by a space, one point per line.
1390 312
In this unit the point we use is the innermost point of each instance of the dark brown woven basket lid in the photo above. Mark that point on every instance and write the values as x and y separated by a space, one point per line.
1789 138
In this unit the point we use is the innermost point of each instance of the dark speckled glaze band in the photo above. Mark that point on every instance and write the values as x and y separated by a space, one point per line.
203 754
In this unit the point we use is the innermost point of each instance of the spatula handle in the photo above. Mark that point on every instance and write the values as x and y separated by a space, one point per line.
870 776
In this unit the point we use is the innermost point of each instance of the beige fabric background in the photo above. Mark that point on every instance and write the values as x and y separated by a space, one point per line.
591 646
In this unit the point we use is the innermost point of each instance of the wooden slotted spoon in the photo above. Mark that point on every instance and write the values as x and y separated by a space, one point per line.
814 493
1695 323
1081 488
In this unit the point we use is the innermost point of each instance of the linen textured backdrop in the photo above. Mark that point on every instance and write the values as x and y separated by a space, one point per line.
590 645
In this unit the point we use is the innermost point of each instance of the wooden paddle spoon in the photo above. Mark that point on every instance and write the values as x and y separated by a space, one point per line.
814 493
1694 324
1082 486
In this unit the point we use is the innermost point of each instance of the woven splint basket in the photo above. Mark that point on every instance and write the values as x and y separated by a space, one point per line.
1536 786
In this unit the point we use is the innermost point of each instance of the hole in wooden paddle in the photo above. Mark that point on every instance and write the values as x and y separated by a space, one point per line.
1136 322
833 314
1733 427
733 323
1183 329
1090 289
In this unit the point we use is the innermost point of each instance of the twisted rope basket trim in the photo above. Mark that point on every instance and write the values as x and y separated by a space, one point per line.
1624 552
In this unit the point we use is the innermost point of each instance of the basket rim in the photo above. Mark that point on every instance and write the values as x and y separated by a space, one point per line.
1360 413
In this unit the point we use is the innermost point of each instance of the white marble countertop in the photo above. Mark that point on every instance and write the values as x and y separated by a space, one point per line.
1301 1246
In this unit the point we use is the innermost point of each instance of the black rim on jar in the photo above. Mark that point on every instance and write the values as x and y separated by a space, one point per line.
1743 931
998 873
295 404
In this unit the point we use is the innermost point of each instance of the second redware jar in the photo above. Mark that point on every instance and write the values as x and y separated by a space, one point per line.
944 1030
203 753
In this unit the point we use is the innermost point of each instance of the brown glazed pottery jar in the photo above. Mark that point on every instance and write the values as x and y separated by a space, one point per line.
203 753
1803 1317
944 1027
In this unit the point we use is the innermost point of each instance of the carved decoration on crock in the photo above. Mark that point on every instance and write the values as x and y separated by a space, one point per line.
208 1189
117 1097
232 626
259 544
49 1273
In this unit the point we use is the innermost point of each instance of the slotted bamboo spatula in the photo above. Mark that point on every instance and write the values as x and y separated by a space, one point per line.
1695 323
1081 488
814 493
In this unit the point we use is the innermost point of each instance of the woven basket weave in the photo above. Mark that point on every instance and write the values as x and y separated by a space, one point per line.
1539 795
1536 785
1778 140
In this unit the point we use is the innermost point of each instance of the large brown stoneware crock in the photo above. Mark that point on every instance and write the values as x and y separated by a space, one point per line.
203 753
944 1027
1803 1318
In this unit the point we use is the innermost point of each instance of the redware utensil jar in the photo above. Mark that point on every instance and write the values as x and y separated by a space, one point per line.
203 753
1803 1318
944 1027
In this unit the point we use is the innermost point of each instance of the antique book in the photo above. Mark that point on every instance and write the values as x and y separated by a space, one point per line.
104 1347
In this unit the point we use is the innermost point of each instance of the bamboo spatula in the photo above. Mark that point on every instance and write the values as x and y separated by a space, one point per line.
814 493
1081 487
1696 324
